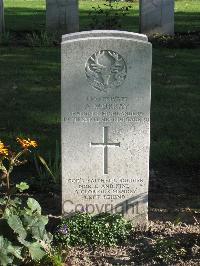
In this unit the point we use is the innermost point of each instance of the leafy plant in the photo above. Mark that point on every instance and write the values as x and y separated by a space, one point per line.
42 39
179 40
29 227
8 252
109 16
84 229
9 159
167 250
55 259
51 167
30 238
5 38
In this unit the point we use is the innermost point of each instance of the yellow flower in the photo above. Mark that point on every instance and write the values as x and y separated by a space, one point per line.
27 143
3 149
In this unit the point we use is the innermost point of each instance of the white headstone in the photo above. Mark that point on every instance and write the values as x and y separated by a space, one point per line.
62 15
106 81
2 22
157 16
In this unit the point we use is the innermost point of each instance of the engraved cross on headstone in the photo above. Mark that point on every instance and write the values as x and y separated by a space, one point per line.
105 144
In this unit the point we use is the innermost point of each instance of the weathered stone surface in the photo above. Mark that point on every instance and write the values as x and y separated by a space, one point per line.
109 33
62 15
157 16
106 81
2 22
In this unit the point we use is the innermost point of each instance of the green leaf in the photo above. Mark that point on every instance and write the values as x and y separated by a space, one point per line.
42 160
3 168
1 242
5 259
23 241
36 225
7 251
7 213
22 186
34 205
16 224
16 251
48 238
36 251
2 201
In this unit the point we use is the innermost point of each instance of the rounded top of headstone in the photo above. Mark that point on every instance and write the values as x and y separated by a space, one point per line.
104 33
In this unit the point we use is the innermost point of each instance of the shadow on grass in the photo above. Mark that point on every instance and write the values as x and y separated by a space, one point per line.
187 21
24 19
30 19
30 95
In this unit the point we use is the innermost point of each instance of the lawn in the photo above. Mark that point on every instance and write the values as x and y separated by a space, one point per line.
30 92
23 15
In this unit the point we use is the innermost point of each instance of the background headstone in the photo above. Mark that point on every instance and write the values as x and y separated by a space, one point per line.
106 81
157 16
62 15
2 22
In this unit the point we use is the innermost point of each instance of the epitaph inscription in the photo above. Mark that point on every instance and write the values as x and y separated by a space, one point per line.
106 127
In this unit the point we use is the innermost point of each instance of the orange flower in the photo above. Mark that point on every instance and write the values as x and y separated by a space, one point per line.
3 149
27 143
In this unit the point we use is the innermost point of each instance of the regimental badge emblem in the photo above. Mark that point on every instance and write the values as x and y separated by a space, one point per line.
106 70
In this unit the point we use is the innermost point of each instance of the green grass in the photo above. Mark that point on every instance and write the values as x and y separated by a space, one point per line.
187 15
30 94
23 15
175 107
